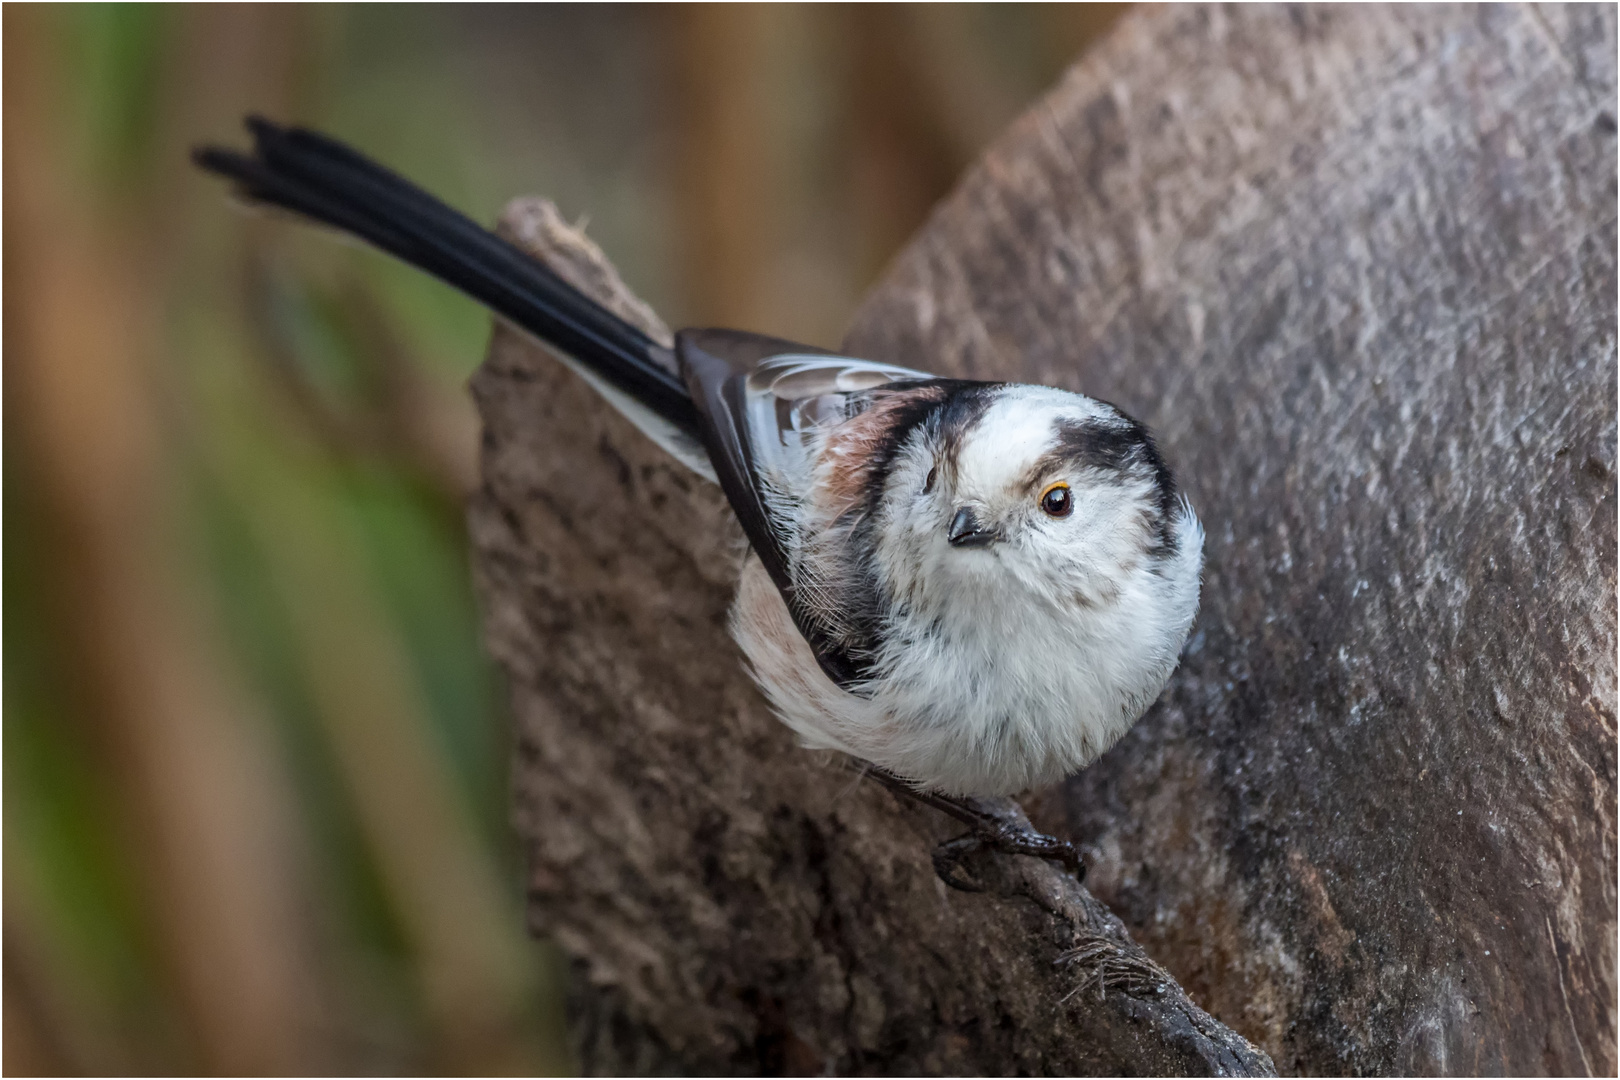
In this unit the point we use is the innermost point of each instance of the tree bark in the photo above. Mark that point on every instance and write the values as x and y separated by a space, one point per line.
1356 266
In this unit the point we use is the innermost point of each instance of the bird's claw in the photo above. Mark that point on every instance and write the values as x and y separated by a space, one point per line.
1016 841
951 856
988 831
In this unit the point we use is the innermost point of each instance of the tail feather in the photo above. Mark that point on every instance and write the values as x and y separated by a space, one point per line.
326 181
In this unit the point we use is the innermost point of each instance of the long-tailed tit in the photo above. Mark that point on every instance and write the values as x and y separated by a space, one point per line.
976 587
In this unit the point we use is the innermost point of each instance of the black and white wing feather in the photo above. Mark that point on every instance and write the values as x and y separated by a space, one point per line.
763 405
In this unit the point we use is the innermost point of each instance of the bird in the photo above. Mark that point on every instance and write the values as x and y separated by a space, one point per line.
975 588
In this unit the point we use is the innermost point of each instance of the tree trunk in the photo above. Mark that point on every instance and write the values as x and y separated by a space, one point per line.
1356 266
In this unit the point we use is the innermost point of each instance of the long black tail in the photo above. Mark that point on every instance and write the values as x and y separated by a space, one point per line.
327 181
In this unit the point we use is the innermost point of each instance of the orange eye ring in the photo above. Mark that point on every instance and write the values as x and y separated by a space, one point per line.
1056 500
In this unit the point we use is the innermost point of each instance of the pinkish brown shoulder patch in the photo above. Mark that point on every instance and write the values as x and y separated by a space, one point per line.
850 454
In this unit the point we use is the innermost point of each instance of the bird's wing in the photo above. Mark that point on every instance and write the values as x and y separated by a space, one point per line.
760 402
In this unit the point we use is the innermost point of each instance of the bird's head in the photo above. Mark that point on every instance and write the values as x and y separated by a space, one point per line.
1029 495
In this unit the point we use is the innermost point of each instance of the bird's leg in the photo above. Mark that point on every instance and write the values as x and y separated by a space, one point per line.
988 829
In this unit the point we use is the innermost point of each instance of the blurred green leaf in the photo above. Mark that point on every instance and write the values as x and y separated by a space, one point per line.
420 573
64 867
263 638
116 54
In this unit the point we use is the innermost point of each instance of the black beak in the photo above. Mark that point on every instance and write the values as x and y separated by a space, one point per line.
967 532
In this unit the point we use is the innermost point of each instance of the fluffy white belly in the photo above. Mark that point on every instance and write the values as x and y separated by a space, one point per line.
993 711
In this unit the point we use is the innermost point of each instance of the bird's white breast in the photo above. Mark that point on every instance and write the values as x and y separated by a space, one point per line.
1004 697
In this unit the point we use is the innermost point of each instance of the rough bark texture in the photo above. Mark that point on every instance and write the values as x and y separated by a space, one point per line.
1357 268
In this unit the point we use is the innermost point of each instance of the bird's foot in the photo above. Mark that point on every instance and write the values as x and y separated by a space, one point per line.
1015 840
988 830
952 856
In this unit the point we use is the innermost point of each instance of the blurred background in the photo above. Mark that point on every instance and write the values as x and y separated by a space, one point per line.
255 776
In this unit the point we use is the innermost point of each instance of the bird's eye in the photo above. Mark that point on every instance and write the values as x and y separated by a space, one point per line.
1057 500
928 484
